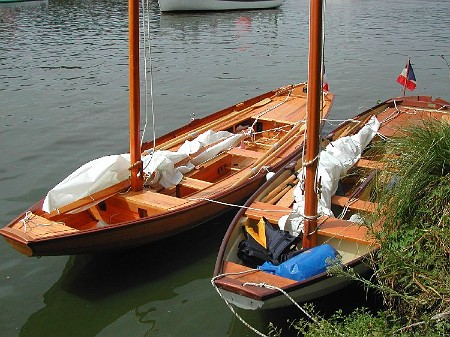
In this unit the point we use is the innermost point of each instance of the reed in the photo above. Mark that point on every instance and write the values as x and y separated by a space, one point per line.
415 240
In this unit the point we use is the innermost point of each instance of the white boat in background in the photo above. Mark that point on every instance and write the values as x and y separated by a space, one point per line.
216 5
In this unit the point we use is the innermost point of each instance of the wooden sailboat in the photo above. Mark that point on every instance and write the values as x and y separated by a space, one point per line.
184 178
260 287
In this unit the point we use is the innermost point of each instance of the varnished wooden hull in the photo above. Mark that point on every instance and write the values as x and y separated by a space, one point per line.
245 287
122 218
132 233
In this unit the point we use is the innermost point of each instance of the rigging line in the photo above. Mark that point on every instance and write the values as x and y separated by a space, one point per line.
271 108
240 206
148 68
448 66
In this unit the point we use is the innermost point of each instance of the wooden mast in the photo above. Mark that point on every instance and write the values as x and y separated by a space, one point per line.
313 122
134 83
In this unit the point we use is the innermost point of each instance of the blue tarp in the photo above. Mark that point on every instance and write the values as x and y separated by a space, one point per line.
304 265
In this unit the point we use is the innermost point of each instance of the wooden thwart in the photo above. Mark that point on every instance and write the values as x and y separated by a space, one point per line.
152 200
331 227
344 229
195 184
237 151
371 164
356 204
271 212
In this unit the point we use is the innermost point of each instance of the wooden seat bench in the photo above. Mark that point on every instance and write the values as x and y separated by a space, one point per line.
237 151
356 204
271 212
152 200
343 229
371 164
195 184
330 227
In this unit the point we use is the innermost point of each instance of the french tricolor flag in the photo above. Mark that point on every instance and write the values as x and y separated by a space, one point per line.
407 78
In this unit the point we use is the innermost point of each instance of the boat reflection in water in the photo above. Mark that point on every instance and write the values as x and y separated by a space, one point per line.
161 288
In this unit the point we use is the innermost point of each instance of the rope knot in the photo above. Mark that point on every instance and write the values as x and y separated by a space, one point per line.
26 219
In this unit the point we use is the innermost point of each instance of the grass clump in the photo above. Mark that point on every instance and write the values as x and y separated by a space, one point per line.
363 323
414 259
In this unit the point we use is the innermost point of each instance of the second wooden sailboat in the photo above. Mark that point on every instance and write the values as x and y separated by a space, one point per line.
311 214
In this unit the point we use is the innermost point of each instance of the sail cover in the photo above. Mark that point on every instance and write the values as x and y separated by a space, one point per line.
107 171
335 160
90 178
162 163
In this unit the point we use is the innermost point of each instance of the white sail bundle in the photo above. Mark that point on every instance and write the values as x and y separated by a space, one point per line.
107 171
90 178
335 160
162 163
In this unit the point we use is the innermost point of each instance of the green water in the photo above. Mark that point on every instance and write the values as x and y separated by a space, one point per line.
63 94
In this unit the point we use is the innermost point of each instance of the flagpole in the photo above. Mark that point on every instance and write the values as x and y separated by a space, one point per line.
406 79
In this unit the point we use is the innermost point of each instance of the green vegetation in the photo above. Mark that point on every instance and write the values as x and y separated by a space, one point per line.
415 241
412 268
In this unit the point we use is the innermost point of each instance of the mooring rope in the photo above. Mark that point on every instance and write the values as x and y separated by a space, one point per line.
260 285
232 309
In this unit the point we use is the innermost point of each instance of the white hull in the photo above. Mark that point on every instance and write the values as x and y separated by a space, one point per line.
216 5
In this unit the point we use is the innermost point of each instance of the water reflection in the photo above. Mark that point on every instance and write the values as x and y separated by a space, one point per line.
158 284
236 30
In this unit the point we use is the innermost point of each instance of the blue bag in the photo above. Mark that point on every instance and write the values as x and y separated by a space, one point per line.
304 265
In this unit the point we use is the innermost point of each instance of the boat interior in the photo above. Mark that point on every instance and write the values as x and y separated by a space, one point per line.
355 199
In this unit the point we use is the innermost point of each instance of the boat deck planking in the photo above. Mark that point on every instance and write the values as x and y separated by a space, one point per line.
37 227
253 275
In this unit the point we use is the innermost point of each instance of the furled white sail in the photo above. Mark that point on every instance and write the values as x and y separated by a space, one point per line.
107 171
90 178
162 163
335 160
